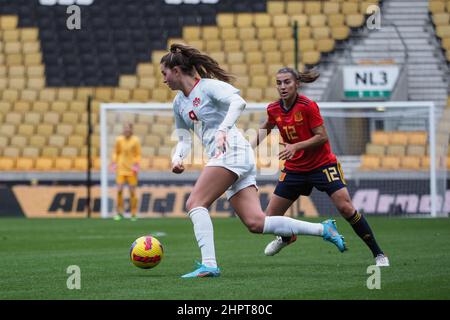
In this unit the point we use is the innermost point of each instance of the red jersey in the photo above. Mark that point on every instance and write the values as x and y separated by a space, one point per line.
296 125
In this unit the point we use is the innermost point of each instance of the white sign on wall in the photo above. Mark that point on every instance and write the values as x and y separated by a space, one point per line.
370 81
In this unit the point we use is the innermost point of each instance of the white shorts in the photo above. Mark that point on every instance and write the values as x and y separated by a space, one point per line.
242 163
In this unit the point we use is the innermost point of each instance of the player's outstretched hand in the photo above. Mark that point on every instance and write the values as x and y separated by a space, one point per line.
288 152
177 167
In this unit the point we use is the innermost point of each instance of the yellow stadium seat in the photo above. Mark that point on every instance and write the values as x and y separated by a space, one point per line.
410 162
318 20
276 7
301 19
121 95
8 22
63 164
280 21
80 164
51 117
160 95
330 7
272 70
128 81
70 117
254 57
50 152
287 45
313 7
230 33
225 20
260 82
30 152
29 34
441 19
64 129
244 20
311 57
24 164
40 106
321 33
59 106
17 83
395 150
254 94
4 142
390 163
397 137
231 45
48 94
29 95
271 94
307 45
250 45
18 141
210 33
38 141
380 137
247 33
340 33
242 82
354 20
32 59
443 31
425 162
11 152
35 82
77 141
13 118
271 57
349 8
161 163
370 162
71 152
262 20
16 71
419 138
265 33
436 7
7 130
336 20
213 45
44 164
375 149
257 69
294 7
31 47
325 45
26 129
10 95
305 33
6 164
191 33
145 69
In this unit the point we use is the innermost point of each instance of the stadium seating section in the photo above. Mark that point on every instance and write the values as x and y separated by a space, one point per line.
47 71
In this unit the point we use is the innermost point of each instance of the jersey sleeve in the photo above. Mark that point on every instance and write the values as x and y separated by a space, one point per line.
220 90
183 135
315 119
270 118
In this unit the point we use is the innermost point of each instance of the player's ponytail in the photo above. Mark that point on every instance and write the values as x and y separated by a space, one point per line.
302 77
192 61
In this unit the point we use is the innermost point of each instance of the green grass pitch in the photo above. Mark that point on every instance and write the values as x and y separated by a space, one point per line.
35 254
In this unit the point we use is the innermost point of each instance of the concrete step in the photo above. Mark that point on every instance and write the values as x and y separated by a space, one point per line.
392 47
397 16
405 4
408 42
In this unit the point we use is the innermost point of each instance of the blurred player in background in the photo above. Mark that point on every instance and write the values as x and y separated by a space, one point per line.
211 108
126 159
309 160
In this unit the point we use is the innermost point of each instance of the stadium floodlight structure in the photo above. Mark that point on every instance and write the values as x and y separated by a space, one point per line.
400 188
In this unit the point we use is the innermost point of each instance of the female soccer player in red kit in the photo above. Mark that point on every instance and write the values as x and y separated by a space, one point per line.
309 160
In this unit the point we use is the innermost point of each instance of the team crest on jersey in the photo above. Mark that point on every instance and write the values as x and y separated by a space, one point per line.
278 119
298 117
196 102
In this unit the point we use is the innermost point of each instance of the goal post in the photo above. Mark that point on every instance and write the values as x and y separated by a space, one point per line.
408 176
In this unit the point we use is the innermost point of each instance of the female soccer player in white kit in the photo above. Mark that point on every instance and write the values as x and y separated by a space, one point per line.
211 108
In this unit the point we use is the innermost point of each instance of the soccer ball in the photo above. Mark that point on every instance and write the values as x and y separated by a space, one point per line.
146 252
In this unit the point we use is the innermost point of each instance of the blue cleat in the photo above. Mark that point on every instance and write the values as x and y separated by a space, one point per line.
331 234
202 271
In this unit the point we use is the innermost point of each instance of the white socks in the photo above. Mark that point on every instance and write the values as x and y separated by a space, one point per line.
286 227
204 233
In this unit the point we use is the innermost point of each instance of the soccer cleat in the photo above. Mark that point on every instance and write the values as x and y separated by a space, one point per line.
331 234
133 219
118 217
202 271
381 261
276 245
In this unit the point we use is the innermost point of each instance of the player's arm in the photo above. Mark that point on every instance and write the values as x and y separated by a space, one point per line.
183 146
137 157
263 131
319 138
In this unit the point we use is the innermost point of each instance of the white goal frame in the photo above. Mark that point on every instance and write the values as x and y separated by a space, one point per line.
105 107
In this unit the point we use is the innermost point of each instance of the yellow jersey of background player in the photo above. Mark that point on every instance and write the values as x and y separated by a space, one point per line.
126 159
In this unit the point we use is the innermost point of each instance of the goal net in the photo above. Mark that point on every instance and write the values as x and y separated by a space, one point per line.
393 155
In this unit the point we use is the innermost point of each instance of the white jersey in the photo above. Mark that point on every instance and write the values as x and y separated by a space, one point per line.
203 111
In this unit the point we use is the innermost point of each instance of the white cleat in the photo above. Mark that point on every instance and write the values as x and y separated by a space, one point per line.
276 245
381 261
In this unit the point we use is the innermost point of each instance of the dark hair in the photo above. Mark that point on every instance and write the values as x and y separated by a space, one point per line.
191 60
303 77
